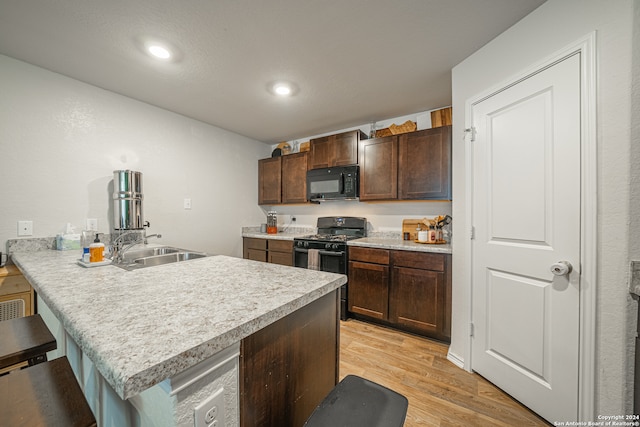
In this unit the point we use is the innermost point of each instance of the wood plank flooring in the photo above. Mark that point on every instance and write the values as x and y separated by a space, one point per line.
439 393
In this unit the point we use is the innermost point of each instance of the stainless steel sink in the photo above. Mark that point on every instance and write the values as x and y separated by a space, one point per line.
149 257
168 258
134 254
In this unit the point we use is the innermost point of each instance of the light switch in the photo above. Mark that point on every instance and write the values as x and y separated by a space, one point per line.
187 203
25 228
92 224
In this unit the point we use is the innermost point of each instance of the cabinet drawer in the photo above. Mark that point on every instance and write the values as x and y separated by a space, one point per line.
421 260
13 283
377 256
252 243
281 245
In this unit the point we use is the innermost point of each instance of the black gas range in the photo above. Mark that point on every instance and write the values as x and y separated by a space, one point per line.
328 250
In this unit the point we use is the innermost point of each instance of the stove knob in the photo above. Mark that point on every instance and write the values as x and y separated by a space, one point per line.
335 246
327 245
306 244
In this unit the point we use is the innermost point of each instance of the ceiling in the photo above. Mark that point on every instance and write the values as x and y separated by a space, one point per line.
353 61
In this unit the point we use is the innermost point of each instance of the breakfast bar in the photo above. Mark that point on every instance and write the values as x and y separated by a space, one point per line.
151 346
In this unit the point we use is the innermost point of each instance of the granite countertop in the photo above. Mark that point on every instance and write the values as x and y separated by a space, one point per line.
379 242
141 327
278 236
398 244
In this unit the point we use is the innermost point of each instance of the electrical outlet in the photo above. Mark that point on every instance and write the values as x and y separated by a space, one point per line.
92 224
25 228
210 412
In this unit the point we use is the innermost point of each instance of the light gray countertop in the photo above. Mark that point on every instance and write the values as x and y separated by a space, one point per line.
369 242
398 244
141 327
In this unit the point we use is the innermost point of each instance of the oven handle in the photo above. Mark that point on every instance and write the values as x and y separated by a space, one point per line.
304 251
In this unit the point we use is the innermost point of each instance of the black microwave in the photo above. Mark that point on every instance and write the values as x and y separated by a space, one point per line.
336 183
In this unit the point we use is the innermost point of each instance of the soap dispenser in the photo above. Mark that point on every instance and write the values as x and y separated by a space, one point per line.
96 250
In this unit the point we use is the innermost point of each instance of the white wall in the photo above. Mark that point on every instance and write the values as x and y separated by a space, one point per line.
61 140
554 25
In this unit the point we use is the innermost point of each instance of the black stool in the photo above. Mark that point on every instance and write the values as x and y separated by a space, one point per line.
355 402
25 339
46 394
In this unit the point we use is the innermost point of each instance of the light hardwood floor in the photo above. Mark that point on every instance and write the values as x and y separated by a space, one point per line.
439 393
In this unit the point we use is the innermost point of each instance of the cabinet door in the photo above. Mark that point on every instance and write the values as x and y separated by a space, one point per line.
425 164
294 178
282 258
254 249
417 300
369 289
378 160
269 181
345 148
320 152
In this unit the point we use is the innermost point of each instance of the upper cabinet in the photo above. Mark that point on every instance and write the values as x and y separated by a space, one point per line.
410 166
378 160
282 179
269 181
294 178
424 164
335 150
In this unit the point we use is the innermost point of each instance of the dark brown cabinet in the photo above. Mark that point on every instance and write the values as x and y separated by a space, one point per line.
411 166
268 250
369 282
415 296
378 160
424 164
270 181
294 178
280 252
282 179
289 366
335 150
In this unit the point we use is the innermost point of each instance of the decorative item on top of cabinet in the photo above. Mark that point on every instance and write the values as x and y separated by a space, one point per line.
282 179
424 164
335 150
378 160
441 117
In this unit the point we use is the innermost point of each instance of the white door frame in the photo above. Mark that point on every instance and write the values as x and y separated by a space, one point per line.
588 210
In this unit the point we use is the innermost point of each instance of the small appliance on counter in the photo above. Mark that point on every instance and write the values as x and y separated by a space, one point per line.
328 250
272 222
127 200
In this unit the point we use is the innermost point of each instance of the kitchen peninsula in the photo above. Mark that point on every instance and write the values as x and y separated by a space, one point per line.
151 345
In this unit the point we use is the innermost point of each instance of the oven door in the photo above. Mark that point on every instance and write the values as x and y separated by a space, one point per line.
333 262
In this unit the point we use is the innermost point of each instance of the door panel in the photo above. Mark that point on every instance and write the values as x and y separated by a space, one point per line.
526 216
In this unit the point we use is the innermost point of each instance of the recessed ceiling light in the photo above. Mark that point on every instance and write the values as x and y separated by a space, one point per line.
159 52
283 88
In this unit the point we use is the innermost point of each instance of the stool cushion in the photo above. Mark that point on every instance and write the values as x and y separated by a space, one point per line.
46 394
359 402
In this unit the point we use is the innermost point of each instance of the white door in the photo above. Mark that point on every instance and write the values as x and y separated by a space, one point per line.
526 219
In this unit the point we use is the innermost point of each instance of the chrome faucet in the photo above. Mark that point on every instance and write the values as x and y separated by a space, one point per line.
119 249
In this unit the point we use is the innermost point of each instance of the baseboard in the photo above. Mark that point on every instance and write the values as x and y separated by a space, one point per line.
455 359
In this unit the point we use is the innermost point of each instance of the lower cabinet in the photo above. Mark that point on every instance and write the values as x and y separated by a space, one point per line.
404 289
268 250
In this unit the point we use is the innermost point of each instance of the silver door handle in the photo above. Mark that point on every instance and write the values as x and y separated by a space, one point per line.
561 268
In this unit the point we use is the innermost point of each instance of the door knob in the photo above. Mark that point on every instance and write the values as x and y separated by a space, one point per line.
561 268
